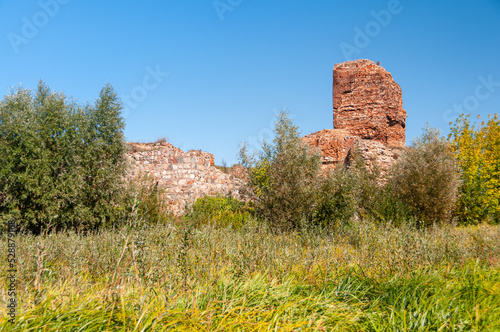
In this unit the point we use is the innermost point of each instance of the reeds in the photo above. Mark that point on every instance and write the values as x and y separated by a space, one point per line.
359 277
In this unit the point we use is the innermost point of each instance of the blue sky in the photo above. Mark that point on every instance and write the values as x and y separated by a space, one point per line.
210 74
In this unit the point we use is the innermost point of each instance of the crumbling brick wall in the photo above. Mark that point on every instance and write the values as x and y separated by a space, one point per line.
185 176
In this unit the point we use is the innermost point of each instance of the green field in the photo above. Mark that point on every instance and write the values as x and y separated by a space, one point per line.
361 277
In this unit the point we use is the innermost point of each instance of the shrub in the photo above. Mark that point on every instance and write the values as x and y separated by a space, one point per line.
387 207
478 153
284 177
220 211
353 190
337 200
425 178
161 140
61 164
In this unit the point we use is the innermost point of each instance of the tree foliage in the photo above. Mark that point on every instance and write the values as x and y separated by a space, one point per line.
61 164
337 197
477 149
291 190
425 178
284 176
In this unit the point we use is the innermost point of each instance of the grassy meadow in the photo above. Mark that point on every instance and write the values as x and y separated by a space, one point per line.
174 277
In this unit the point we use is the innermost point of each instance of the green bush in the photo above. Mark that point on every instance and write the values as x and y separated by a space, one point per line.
425 178
337 200
291 191
387 207
284 177
220 211
353 190
61 164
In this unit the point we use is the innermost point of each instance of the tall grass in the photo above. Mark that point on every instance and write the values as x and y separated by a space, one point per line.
358 277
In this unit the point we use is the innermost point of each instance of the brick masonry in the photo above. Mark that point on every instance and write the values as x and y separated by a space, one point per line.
368 102
368 115
185 176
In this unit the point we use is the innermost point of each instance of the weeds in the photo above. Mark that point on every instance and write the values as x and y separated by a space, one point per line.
184 246
360 276
221 212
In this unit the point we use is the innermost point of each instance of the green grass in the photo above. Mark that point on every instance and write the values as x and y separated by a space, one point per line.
172 277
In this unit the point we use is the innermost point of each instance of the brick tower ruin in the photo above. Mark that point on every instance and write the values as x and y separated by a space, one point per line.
367 113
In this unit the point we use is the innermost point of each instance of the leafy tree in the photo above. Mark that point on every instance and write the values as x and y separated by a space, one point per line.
425 178
477 150
284 177
61 164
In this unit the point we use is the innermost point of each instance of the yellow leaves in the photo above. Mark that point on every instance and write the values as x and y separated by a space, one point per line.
261 176
478 153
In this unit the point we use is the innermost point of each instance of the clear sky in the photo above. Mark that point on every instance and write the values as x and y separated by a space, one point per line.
210 74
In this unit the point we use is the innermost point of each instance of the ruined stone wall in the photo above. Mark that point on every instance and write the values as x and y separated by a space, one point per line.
336 146
368 115
185 176
368 102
